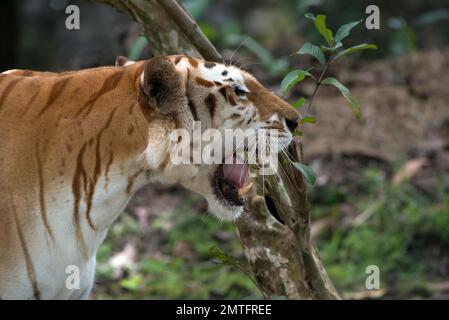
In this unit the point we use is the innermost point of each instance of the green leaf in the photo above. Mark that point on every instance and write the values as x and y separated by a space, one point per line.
133 283
327 49
196 8
345 30
223 256
299 103
338 45
292 79
298 133
308 120
313 50
360 47
306 171
137 48
431 17
310 16
346 93
209 30
320 25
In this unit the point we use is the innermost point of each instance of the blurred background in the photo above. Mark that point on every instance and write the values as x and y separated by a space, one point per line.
382 194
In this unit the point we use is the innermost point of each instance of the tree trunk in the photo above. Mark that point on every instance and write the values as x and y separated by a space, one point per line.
276 236
275 231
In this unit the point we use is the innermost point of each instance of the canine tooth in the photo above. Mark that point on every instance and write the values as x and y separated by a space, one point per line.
243 190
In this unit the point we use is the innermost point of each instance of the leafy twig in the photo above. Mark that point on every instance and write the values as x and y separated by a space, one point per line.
315 90
335 49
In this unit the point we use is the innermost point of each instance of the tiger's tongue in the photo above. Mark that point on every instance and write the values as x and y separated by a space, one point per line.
235 173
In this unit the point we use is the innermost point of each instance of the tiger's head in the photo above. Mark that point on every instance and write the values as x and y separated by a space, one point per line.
192 91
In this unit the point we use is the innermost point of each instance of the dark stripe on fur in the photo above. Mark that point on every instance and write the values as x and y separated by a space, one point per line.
28 263
6 92
209 65
42 207
193 110
56 91
210 102
109 84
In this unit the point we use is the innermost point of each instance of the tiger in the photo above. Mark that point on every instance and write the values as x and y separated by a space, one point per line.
76 145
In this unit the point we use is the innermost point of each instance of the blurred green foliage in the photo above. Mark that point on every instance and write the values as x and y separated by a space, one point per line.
406 235
406 25
275 29
163 275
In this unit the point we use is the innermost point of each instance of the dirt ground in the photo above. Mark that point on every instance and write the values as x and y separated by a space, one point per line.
405 116
404 109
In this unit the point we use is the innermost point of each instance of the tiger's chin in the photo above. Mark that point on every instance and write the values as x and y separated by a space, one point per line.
219 206
224 212
230 185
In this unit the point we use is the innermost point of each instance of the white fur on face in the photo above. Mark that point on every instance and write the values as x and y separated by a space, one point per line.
223 74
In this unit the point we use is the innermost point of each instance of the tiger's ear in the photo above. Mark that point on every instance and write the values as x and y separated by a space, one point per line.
161 81
122 61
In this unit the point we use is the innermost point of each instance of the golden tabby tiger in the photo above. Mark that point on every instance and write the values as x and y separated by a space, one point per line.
75 146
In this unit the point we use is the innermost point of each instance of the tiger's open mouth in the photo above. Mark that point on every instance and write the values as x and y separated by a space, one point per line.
231 182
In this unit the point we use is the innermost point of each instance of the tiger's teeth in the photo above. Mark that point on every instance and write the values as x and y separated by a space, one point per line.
243 190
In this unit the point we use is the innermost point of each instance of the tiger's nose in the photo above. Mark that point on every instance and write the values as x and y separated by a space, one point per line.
292 123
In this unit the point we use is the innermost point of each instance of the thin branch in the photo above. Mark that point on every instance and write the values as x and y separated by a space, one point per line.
317 86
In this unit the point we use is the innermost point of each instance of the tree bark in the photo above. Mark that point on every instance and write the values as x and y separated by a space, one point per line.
275 232
168 28
275 235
